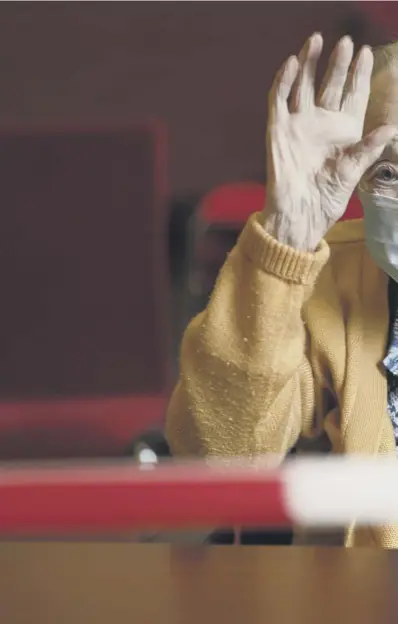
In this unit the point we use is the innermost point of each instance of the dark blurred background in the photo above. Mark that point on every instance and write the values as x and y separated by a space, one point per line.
202 67
131 152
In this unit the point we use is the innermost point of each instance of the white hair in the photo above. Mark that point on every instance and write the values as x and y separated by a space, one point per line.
385 60
385 57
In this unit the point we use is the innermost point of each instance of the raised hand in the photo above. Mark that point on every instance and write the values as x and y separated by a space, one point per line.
315 151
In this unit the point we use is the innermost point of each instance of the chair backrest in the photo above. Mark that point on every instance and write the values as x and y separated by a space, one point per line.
84 306
354 209
230 205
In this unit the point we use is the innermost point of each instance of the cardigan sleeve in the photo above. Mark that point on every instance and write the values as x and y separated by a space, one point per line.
245 384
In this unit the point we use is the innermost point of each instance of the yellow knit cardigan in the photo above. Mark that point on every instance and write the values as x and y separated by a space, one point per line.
290 344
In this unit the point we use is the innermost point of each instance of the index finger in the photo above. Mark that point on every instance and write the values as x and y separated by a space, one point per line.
355 100
282 87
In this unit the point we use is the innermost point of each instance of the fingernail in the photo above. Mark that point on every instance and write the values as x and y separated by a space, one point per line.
365 55
346 39
292 60
315 41
366 50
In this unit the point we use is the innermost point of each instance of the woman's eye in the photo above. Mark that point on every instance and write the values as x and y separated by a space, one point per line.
385 174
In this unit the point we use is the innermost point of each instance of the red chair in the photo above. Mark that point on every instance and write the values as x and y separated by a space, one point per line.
354 209
85 343
217 223
230 205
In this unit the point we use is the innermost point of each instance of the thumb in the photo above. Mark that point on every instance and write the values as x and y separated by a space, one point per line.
360 156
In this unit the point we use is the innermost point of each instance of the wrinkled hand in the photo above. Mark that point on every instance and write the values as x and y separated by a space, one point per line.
315 151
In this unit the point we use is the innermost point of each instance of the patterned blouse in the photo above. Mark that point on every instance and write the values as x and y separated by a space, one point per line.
391 360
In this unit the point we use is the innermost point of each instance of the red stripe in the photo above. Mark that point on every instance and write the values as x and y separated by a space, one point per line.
99 501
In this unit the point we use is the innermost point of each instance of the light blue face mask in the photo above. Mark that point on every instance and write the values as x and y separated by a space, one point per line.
381 230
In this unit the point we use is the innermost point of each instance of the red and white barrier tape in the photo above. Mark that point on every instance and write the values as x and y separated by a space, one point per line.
60 499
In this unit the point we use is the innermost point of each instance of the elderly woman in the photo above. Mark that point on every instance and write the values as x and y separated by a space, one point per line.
299 340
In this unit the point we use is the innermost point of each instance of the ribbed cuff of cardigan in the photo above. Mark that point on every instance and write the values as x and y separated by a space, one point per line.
281 260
